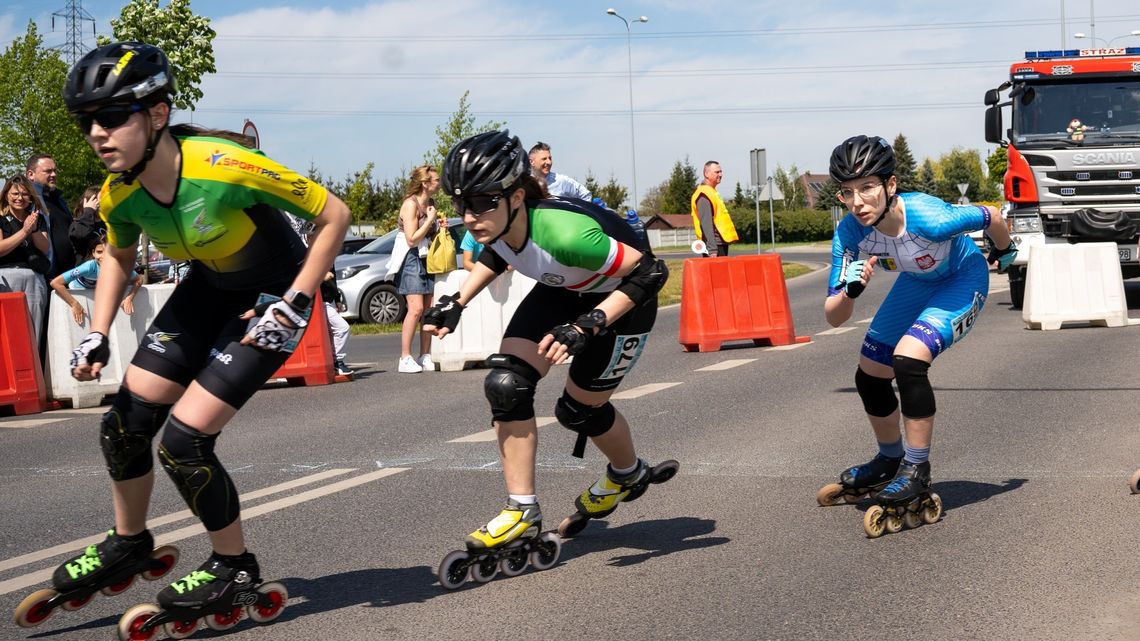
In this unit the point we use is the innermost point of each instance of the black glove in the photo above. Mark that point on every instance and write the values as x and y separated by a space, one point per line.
573 338
1003 257
91 350
444 313
279 323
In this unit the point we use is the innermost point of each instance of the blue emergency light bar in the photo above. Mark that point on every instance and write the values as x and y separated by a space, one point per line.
1076 53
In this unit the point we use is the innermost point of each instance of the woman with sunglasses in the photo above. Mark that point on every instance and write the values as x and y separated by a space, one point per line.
24 247
942 285
595 300
225 330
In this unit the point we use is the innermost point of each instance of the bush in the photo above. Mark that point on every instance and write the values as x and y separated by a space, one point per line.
798 225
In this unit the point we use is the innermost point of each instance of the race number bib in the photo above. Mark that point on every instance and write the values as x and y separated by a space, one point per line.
965 322
627 349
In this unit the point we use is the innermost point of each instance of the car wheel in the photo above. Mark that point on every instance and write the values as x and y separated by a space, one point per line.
1016 285
383 305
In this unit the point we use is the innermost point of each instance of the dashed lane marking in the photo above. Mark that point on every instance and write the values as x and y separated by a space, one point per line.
784 348
31 422
865 321
642 390
835 330
489 435
729 364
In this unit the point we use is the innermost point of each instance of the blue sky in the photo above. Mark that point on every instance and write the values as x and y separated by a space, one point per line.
344 84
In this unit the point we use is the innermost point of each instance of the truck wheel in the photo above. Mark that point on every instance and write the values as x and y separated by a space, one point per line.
1016 285
382 304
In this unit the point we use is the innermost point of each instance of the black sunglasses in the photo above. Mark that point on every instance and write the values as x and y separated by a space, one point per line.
478 204
107 117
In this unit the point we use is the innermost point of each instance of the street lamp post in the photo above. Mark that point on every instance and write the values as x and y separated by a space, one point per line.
629 61
1107 43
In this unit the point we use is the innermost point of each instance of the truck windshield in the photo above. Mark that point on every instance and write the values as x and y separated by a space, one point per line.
1108 109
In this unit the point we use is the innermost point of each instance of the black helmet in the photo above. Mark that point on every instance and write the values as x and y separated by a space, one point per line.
490 162
862 156
119 72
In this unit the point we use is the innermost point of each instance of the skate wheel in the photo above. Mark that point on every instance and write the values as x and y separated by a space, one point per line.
118 588
75 604
664 471
277 597
514 563
911 520
222 621
1135 483
167 555
180 629
34 610
893 523
933 510
829 495
453 570
874 521
546 551
484 569
572 526
131 624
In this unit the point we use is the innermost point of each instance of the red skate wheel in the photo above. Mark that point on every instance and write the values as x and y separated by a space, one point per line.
131 623
224 620
75 604
180 629
33 610
167 555
118 588
277 595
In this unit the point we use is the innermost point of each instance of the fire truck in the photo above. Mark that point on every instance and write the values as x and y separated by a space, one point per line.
1074 152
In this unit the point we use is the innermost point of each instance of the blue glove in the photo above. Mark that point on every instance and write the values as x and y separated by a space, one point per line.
853 279
1004 257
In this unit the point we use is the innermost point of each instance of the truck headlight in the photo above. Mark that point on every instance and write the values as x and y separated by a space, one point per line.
1026 225
350 271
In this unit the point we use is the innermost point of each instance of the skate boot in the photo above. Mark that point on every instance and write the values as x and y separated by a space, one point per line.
507 544
905 502
217 593
860 481
603 497
109 566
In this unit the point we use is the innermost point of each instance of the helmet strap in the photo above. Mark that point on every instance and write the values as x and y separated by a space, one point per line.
131 174
890 203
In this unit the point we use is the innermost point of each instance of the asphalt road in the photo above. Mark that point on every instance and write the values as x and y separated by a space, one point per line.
365 491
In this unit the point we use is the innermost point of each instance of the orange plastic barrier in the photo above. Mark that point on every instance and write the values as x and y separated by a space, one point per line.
732 299
21 377
312 362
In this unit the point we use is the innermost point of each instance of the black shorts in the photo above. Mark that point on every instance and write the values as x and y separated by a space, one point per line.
608 358
197 334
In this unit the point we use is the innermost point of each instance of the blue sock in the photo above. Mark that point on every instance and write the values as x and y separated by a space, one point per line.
891 450
917 455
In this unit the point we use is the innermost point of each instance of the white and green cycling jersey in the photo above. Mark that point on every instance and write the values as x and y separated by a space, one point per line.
573 245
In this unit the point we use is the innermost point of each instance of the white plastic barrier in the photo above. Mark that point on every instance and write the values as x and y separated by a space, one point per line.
484 320
126 334
1071 283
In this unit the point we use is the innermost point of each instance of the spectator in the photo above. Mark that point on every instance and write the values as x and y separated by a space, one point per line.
710 216
471 249
86 224
418 224
338 327
42 171
85 276
23 247
559 185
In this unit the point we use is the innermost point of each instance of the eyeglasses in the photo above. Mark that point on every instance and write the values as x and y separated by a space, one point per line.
477 205
865 191
107 117
20 195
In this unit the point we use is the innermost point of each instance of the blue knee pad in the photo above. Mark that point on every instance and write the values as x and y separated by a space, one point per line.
188 457
510 387
126 432
877 394
917 396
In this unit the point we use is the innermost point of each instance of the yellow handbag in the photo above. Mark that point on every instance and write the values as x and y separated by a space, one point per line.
441 253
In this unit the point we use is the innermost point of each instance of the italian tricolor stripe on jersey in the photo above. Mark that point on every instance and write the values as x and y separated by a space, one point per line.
613 262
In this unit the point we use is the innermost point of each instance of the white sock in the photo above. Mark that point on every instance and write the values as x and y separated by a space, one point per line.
523 499
625 471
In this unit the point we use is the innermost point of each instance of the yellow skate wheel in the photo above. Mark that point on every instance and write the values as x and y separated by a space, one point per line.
911 520
1135 483
33 610
933 510
546 552
893 523
278 596
453 571
874 521
828 495
180 629
130 625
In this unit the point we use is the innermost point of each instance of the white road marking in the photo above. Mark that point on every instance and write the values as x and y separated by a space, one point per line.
784 348
30 422
489 435
642 390
729 364
835 330
79 544
865 321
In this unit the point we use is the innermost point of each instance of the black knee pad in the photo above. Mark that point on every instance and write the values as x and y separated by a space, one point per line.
584 419
916 394
188 457
510 387
877 394
125 434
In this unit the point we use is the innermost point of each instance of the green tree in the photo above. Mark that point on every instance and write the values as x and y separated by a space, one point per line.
185 37
828 196
653 201
905 165
459 126
591 184
613 194
926 181
964 166
997 162
33 118
678 190
789 183
738 198
357 193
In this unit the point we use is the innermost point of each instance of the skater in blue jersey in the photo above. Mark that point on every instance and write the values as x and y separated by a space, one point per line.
941 288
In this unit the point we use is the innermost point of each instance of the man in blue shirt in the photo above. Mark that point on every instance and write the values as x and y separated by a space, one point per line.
557 184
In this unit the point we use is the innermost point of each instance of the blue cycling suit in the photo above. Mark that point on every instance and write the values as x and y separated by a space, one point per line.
944 280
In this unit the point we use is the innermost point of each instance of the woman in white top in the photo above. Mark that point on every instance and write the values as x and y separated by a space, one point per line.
418 225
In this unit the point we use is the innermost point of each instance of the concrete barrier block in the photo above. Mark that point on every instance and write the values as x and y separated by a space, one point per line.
484 320
1074 283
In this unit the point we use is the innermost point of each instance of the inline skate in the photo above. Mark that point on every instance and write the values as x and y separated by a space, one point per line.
1135 482
218 592
507 544
603 497
905 502
860 481
109 566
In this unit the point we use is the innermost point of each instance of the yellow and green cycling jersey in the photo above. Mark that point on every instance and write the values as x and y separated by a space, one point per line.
225 214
